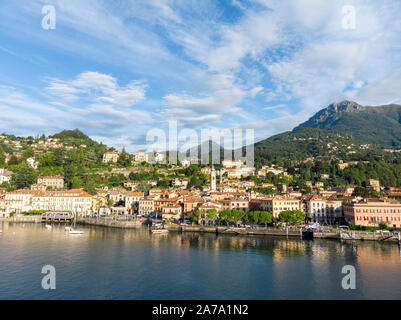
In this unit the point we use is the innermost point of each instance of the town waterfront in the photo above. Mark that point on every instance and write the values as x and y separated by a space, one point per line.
110 263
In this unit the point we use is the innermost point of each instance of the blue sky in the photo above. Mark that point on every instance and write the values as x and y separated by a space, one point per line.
116 69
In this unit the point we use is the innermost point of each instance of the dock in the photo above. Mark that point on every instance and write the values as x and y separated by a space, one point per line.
57 217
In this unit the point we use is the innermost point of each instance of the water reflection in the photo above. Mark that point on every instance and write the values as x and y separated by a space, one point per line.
107 263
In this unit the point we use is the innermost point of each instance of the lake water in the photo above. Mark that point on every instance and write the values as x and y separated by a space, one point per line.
108 263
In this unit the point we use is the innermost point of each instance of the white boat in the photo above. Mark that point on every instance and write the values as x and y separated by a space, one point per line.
159 228
48 226
1 231
160 231
75 231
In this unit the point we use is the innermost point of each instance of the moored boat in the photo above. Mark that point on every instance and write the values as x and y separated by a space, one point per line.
75 231
160 231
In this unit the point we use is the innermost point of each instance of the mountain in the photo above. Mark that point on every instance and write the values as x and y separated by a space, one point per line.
307 143
380 125
76 138
211 147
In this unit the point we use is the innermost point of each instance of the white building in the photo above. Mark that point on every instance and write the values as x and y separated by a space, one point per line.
315 208
239 172
185 163
4 178
132 201
32 163
141 156
19 201
180 183
75 200
54 182
231 163
159 157
111 156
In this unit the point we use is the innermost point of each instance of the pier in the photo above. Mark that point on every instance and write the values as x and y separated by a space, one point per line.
111 222
58 217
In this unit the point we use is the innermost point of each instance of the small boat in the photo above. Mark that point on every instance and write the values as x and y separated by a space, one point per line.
48 226
75 231
159 228
160 231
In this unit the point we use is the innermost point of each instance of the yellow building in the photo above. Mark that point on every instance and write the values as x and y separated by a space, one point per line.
277 204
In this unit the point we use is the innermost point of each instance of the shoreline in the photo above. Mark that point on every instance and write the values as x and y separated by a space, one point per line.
111 223
357 235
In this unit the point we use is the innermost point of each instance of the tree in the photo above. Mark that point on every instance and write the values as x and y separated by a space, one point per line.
46 160
76 183
269 191
163 183
194 182
124 159
2 157
58 157
144 187
24 177
211 214
195 215
90 186
28 153
383 226
254 216
225 215
237 215
114 181
13 161
265 217
292 217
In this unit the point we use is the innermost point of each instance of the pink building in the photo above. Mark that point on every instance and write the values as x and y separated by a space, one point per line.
370 212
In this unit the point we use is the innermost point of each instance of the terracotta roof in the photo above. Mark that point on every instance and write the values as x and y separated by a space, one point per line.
73 193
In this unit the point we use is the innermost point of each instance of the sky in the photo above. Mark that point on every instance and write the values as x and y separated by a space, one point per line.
118 69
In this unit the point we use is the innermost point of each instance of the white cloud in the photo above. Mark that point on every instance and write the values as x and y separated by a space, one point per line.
103 87
275 107
318 69
223 97
209 66
385 91
249 38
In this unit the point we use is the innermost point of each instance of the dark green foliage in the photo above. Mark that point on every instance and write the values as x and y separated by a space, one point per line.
292 216
292 147
379 125
24 177
264 190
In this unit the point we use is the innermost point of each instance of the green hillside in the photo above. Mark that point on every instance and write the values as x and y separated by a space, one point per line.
379 125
